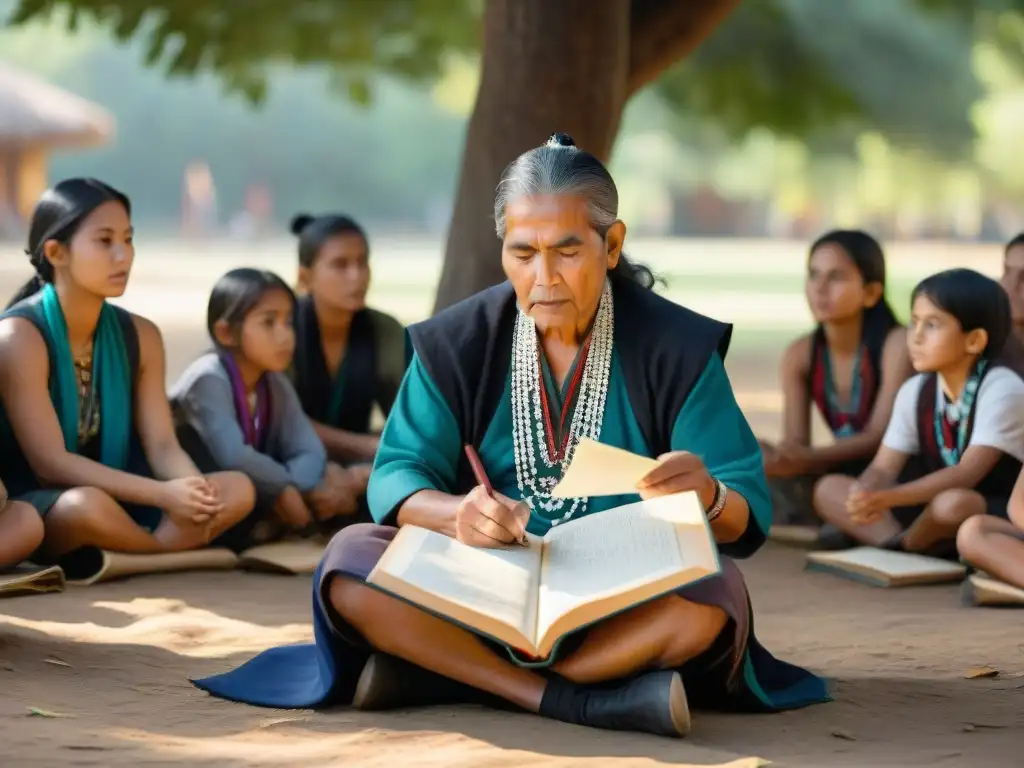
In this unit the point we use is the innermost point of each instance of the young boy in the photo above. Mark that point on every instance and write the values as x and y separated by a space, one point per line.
961 419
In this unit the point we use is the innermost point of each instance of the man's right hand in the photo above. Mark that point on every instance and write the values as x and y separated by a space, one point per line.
483 520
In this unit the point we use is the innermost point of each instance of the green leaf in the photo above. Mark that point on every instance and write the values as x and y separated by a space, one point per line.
821 71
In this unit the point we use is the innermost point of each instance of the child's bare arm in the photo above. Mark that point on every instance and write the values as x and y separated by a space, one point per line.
883 470
977 462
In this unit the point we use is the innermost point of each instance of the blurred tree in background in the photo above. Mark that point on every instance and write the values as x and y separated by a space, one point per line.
830 73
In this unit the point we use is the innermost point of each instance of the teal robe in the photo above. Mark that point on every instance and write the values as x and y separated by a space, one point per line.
420 448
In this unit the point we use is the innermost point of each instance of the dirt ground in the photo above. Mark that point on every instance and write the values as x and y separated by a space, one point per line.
106 671
113 662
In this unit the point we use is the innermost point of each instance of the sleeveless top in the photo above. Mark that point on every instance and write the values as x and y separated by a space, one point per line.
14 467
845 421
999 482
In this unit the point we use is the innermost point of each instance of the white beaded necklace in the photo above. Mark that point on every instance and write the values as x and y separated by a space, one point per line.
528 416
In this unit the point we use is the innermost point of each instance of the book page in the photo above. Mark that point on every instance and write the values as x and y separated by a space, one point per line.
622 550
602 470
464 582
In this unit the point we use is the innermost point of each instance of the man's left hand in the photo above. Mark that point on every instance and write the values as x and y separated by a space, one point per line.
676 472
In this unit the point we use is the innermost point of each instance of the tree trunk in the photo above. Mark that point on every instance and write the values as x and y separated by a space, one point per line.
548 65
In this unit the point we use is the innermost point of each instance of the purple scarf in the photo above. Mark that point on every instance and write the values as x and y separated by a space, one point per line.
254 429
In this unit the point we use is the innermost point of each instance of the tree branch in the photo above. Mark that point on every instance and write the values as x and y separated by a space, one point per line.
663 32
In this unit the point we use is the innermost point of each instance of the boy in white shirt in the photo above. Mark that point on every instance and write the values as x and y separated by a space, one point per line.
961 420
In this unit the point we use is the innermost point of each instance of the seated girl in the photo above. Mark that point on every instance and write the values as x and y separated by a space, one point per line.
21 530
86 434
962 416
1013 282
348 357
994 544
243 409
850 368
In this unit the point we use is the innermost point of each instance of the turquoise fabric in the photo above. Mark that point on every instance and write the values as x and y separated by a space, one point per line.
111 377
420 448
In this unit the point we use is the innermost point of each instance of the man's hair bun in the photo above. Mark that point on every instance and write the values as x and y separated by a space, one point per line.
560 140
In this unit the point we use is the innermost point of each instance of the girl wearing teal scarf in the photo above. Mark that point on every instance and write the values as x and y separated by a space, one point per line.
86 434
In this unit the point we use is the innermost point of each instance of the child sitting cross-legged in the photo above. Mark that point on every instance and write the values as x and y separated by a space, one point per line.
961 418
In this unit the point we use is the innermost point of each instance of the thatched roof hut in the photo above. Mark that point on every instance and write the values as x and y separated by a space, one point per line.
36 118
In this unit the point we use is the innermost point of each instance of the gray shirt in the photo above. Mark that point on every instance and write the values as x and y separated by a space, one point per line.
293 453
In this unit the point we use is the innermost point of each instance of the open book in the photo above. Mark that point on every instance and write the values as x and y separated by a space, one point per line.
529 598
886 568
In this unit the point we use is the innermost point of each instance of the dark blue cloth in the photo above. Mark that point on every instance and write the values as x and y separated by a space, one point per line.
294 676
326 672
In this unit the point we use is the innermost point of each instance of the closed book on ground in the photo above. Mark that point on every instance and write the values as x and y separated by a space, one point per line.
982 589
29 579
90 565
285 557
885 568
580 572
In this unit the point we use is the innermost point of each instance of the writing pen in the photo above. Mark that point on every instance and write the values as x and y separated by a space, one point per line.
481 478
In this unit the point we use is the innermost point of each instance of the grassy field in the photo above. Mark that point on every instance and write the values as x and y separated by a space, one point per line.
755 284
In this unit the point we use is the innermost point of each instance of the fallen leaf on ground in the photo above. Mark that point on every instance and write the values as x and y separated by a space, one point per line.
36 712
845 735
87 747
976 672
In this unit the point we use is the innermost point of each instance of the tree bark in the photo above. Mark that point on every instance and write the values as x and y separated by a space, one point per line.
548 65
663 32
555 65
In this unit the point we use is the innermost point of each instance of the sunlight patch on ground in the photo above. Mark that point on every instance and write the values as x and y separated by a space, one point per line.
174 626
283 741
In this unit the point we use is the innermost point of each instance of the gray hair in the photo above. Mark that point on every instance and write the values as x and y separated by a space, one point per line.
559 167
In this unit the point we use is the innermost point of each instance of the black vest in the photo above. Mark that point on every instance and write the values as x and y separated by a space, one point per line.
663 349
999 482
313 382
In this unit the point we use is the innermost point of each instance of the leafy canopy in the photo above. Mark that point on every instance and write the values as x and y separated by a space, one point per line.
798 67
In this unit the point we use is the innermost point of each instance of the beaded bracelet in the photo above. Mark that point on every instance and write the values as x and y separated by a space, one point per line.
718 503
